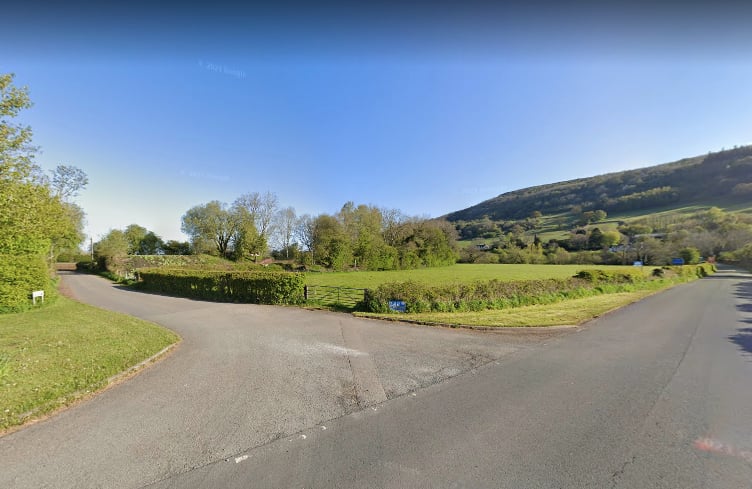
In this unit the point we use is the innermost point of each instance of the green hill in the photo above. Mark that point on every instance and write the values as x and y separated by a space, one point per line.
722 178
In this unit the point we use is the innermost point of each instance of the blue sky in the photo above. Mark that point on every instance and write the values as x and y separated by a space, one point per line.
425 108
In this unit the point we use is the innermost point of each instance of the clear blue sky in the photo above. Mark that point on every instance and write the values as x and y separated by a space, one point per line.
428 108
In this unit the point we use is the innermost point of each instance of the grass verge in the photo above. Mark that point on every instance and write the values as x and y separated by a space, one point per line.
52 356
570 312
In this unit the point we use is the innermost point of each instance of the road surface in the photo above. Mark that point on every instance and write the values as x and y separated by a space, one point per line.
654 395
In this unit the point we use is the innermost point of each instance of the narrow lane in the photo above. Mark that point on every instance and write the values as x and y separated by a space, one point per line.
243 376
657 395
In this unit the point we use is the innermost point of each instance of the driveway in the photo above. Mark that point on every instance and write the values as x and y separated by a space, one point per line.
242 377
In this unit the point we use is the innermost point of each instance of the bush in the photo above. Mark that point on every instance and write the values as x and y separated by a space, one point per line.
22 274
257 287
691 256
611 276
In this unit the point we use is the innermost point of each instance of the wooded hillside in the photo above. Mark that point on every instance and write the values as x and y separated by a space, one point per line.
724 176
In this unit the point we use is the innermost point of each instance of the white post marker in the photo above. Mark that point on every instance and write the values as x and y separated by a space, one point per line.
37 294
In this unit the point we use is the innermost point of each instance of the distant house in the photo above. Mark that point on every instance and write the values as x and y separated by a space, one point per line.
482 247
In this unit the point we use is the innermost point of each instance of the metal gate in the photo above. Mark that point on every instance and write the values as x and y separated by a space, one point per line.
326 295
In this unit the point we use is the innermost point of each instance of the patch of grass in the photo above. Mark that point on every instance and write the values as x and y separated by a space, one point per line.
571 312
460 273
51 356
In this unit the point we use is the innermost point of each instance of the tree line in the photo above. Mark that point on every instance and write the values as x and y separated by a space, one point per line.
255 226
652 240
38 218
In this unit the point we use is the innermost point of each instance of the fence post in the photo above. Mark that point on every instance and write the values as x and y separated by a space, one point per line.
305 292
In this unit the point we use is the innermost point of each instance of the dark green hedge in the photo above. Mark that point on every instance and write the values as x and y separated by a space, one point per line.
19 276
258 287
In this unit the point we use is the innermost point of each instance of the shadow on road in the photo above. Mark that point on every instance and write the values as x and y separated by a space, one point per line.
743 339
743 336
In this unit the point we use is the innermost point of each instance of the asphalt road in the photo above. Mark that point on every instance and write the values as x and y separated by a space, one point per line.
654 395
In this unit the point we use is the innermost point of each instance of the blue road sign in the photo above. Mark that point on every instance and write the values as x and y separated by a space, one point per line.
398 306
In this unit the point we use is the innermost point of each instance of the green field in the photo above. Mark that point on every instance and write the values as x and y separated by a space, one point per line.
51 356
462 273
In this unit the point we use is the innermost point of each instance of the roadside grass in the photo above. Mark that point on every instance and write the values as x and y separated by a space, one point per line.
570 312
54 355
460 273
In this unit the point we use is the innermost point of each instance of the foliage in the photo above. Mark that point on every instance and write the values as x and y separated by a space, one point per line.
67 181
476 296
134 240
601 275
570 312
258 287
690 255
113 245
742 256
239 231
258 210
369 238
134 234
22 274
713 176
210 223
653 239
34 222
495 294
174 247
285 222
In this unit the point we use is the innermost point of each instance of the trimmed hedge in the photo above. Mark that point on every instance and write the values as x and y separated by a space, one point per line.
260 287
19 276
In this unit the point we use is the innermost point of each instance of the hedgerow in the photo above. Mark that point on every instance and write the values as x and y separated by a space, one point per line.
257 287
494 294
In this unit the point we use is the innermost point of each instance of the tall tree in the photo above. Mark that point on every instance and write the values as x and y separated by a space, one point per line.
212 222
285 221
151 244
67 181
174 247
31 217
305 233
261 208
135 234
114 244
332 245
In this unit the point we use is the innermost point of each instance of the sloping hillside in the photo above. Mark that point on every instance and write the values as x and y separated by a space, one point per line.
723 176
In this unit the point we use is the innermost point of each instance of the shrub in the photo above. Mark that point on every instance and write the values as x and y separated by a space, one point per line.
258 287
611 276
22 274
690 255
